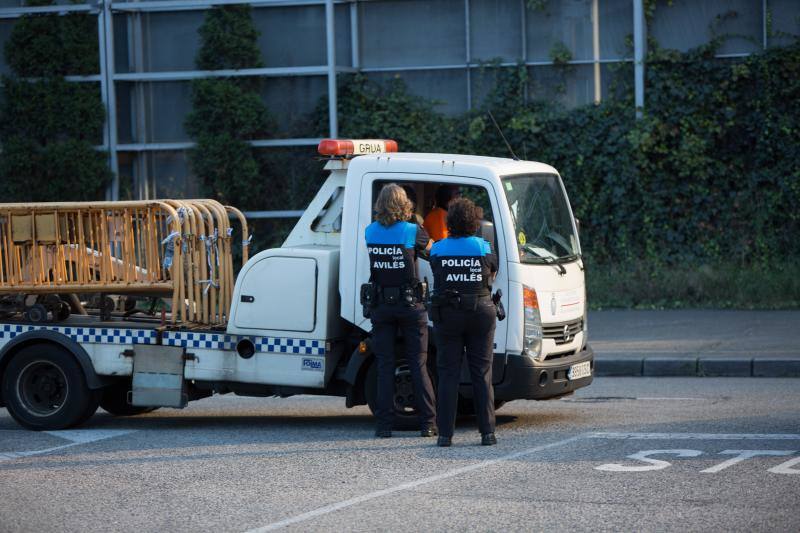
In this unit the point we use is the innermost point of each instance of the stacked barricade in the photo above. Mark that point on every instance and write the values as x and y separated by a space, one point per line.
177 248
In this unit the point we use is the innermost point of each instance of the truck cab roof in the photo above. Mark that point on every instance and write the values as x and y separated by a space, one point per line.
447 164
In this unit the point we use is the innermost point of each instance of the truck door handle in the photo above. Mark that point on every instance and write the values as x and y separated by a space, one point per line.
248 299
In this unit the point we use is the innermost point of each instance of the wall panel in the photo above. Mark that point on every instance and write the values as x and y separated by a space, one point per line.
565 21
412 32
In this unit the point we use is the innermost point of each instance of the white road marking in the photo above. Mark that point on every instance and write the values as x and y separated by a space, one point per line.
75 436
741 455
644 456
695 436
321 511
786 468
408 485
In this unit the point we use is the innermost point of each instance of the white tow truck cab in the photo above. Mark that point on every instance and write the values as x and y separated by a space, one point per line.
296 325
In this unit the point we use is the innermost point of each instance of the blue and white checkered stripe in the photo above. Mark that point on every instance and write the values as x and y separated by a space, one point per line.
86 335
223 341
191 339
294 346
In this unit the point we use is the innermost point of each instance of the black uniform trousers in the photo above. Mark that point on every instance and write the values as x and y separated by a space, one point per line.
461 329
387 319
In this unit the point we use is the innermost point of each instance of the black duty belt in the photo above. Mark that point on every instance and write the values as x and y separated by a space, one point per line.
458 300
405 294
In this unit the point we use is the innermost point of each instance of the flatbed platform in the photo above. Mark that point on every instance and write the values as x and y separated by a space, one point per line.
94 321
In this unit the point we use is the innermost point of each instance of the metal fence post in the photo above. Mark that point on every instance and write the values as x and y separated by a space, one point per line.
333 118
355 46
596 50
105 28
639 50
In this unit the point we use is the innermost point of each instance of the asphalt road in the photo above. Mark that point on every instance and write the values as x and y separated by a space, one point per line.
624 454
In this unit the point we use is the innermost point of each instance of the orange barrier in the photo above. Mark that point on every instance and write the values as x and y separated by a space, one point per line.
177 248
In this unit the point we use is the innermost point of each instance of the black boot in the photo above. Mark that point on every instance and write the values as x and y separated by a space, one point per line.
429 431
488 439
444 442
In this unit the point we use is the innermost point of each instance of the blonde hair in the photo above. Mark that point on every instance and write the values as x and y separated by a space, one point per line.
392 205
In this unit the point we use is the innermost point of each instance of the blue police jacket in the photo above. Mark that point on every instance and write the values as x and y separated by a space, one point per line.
393 252
464 264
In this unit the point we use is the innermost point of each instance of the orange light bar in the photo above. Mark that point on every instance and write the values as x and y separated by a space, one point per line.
529 298
353 147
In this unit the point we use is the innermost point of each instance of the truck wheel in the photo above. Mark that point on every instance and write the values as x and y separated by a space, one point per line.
114 399
44 388
406 416
91 407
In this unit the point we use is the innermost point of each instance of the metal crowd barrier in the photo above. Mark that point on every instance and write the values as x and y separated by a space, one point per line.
177 248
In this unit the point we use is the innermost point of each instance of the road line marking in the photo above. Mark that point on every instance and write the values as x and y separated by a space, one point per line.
695 436
786 468
85 436
75 436
408 485
742 455
644 456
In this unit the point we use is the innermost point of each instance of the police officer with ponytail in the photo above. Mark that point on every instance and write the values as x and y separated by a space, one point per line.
394 301
464 318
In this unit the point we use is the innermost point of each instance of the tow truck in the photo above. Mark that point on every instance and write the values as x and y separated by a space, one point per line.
291 323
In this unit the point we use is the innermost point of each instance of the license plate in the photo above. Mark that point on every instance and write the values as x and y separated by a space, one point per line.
581 370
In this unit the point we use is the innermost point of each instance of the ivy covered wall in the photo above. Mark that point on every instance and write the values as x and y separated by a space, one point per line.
711 172
49 127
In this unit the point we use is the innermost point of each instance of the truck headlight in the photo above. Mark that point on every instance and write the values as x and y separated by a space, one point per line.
533 324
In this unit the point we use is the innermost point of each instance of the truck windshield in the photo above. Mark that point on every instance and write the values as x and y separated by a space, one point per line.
542 219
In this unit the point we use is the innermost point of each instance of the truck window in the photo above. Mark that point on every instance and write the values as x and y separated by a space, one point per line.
542 219
425 192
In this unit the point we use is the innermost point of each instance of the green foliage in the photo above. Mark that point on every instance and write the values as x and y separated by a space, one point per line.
644 285
536 5
49 127
229 40
226 107
227 166
52 109
50 45
228 112
560 54
58 171
368 110
709 176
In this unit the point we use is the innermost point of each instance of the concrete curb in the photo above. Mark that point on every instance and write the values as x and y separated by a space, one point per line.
768 367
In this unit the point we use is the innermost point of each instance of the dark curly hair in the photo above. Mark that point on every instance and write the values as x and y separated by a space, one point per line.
463 217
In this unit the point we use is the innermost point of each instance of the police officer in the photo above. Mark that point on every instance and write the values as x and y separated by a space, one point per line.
464 318
397 304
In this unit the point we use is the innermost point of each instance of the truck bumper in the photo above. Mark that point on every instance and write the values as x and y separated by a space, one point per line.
526 379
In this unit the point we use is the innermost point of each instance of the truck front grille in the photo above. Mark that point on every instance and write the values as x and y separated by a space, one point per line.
563 332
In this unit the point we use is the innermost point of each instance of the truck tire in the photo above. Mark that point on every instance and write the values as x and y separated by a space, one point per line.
114 399
406 416
44 388
91 407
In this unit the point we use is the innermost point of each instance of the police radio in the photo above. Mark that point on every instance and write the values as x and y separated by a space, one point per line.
368 298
